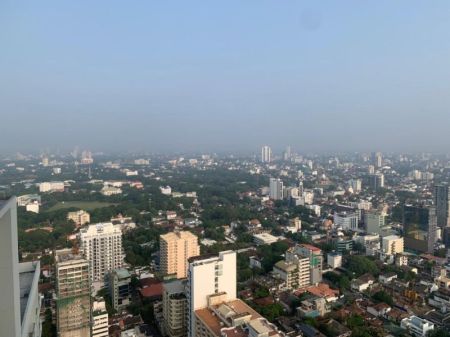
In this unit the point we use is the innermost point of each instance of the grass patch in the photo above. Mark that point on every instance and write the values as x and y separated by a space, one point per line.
84 205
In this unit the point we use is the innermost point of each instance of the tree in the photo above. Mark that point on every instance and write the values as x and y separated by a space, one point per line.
48 328
271 311
340 281
382 296
439 333
360 265
261 292
355 321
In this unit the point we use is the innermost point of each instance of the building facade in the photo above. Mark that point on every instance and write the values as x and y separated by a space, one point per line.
21 302
302 267
99 319
175 308
175 250
119 288
80 218
266 154
73 294
419 227
374 222
102 246
392 245
442 204
276 189
346 220
209 275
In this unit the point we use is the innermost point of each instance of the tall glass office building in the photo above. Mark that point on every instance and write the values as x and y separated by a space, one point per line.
419 227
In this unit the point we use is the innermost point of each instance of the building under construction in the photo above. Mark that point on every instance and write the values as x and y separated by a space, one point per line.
73 303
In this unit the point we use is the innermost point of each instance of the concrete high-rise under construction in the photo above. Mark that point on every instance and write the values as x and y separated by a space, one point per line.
73 292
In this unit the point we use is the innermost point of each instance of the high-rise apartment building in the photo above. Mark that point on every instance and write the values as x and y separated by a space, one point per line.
21 302
355 185
80 218
276 189
302 267
99 319
214 310
102 246
287 155
175 250
315 256
175 308
419 227
207 276
266 154
120 288
294 272
377 159
73 294
442 204
374 222
376 181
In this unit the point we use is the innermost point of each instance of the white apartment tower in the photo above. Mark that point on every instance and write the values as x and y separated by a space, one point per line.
207 276
266 154
102 246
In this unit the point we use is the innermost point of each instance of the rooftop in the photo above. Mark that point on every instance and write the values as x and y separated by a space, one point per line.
122 273
214 322
285 266
64 255
311 247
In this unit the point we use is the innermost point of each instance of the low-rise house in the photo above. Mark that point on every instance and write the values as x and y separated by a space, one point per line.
442 280
339 329
379 310
322 290
309 331
438 318
440 299
255 262
110 190
387 278
362 283
313 307
417 326
396 315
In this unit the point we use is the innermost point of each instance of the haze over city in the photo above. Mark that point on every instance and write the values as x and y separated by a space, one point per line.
225 76
247 168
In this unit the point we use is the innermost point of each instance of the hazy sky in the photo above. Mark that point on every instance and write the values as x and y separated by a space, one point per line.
165 75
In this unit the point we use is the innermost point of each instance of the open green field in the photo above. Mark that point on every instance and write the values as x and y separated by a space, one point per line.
85 205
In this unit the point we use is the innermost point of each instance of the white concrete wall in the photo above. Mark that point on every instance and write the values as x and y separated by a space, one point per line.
9 272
